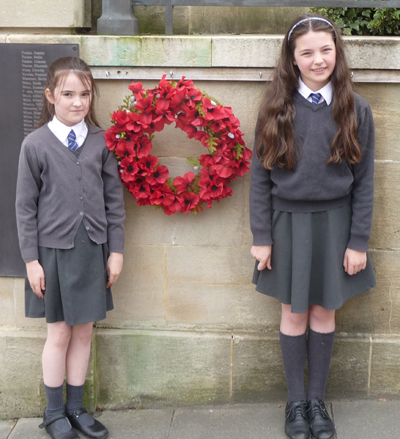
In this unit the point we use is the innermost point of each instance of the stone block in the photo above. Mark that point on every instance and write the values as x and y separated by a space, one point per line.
108 50
385 225
246 51
349 372
139 294
177 51
45 14
257 371
203 229
385 104
234 307
382 51
162 368
385 371
7 309
21 377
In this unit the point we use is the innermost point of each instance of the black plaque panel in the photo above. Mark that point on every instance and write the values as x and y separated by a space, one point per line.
23 70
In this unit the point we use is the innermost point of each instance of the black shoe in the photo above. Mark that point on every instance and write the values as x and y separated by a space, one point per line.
94 431
49 425
321 424
296 424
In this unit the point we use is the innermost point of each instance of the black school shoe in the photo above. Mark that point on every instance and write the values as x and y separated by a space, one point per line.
94 431
296 424
49 425
321 424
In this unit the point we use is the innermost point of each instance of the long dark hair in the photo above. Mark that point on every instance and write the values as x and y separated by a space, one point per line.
276 139
57 73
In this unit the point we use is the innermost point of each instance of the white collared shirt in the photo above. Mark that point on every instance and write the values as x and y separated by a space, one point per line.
326 92
61 131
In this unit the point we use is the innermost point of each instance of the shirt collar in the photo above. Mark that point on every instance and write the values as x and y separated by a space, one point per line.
326 91
61 131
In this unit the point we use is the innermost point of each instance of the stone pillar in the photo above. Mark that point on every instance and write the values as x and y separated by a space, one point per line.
117 18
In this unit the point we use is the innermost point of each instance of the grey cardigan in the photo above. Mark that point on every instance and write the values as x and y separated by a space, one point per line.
316 185
56 191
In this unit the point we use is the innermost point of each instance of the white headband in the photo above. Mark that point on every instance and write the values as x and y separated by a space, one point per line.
307 19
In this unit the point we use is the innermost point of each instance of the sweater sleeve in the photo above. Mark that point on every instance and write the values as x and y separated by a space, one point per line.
363 186
260 202
114 202
28 188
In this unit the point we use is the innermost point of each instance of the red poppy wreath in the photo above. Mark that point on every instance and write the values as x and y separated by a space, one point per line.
215 126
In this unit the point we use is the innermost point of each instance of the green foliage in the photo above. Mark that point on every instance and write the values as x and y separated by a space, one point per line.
364 21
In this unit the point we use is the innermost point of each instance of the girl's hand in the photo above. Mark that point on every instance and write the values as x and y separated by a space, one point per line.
263 254
114 267
354 261
35 274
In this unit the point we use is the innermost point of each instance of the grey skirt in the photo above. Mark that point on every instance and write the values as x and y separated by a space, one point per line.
307 261
75 283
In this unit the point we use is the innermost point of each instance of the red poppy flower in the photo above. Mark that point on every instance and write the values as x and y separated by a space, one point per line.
125 148
189 201
182 183
160 175
143 146
128 169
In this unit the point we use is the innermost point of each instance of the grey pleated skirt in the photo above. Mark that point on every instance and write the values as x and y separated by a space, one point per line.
307 261
75 283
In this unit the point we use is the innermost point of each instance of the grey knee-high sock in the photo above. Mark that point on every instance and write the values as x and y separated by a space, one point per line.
320 348
55 406
74 402
294 350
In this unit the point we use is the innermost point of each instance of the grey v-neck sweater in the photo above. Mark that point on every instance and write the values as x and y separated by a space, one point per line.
56 191
316 185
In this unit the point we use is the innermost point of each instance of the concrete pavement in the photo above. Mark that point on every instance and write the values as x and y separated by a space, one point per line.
359 419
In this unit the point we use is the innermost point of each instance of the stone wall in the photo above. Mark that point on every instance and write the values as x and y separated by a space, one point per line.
188 327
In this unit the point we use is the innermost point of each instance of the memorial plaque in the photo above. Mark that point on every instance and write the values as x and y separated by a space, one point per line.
23 71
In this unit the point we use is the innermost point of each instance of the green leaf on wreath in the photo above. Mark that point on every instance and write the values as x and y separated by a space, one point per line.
212 142
193 161
239 151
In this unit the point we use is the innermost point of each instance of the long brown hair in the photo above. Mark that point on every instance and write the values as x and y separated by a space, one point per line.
57 73
276 144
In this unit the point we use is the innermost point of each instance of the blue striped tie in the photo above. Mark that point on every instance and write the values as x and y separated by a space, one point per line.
315 97
72 145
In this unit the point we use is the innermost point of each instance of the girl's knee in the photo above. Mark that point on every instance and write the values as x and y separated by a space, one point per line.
59 334
293 323
83 333
321 319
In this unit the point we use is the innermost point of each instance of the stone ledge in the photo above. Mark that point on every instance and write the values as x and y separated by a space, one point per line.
132 368
366 53
59 13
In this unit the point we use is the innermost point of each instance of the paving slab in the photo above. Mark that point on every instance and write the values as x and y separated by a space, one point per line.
367 419
6 428
137 424
124 424
258 421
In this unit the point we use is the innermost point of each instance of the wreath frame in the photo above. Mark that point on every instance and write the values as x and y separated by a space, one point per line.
145 112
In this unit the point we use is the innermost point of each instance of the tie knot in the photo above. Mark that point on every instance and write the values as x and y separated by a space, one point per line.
72 141
315 97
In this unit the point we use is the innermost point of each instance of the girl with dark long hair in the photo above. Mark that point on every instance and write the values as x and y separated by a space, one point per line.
311 200
70 215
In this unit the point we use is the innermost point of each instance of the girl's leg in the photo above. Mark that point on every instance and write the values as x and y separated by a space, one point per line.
321 338
78 353
294 347
53 361
77 363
